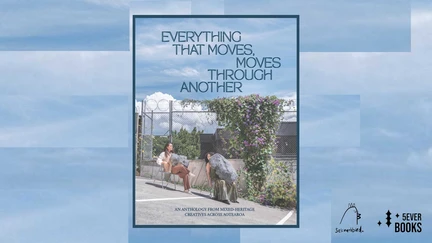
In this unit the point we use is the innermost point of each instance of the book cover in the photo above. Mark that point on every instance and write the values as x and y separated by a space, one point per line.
216 121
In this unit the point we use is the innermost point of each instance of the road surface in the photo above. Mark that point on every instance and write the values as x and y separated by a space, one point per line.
157 206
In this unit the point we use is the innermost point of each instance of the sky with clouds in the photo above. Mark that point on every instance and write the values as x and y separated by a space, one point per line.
64 194
101 24
160 69
66 151
74 25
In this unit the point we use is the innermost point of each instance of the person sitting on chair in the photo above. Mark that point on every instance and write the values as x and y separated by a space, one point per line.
164 157
179 169
222 173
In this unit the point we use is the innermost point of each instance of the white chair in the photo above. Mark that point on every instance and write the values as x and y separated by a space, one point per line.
165 177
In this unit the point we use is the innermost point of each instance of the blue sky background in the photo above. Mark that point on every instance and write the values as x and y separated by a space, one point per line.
101 25
51 25
64 121
340 25
66 177
64 194
159 69
65 73
336 118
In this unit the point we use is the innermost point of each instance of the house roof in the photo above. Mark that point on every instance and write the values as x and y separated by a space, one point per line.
287 129
206 138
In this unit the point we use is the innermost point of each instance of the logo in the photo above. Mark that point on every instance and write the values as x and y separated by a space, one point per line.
407 223
350 217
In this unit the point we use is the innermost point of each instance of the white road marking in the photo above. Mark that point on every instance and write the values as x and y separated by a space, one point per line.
290 213
166 199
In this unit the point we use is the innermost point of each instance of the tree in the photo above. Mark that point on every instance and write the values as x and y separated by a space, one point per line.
158 144
252 121
185 143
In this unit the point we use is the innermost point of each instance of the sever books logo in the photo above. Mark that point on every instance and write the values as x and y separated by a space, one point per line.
352 226
408 223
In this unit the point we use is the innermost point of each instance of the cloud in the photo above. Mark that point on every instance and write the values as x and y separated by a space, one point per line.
158 67
337 130
187 117
156 8
421 159
150 47
372 73
91 158
184 72
420 18
389 133
330 121
208 7
66 73
182 116
84 213
64 121
337 26
152 55
160 7
396 124
62 194
76 25
112 3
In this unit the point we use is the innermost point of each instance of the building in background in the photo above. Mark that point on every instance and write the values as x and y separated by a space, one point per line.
286 137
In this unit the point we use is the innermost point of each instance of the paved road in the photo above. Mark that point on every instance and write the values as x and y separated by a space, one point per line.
157 206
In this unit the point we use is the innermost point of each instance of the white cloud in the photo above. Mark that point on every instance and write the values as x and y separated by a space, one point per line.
368 73
83 213
420 18
184 72
149 46
292 98
159 102
55 19
68 73
156 8
208 7
156 102
389 133
112 3
421 159
340 130
108 126
69 157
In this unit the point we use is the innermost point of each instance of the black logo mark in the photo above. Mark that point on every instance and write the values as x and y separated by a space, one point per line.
388 218
358 215
351 208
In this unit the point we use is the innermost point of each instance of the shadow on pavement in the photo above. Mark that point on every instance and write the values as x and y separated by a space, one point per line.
160 186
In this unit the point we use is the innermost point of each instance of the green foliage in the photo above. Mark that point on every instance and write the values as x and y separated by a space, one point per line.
278 189
187 143
158 144
184 142
252 121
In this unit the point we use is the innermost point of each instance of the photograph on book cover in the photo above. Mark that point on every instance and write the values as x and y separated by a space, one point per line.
216 121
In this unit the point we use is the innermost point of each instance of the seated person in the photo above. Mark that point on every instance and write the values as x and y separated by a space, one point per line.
165 160
222 173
